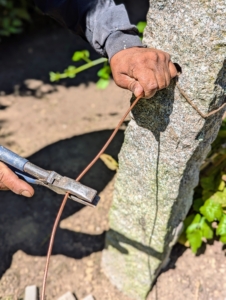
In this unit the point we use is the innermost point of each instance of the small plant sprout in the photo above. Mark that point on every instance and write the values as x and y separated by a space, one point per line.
104 73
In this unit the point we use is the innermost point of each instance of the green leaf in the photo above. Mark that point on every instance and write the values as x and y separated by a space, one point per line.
15 30
104 72
79 55
221 229
221 186
195 240
54 76
183 237
22 14
198 229
141 26
196 224
199 223
219 197
70 72
102 83
17 23
223 239
207 231
197 219
188 221
197 204
211 210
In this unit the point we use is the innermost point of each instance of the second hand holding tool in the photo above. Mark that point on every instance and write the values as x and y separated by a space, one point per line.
50 179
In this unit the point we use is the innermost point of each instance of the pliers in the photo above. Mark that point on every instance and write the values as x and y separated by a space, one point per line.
50 179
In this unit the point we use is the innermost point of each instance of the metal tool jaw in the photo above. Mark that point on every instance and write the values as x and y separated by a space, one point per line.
61 185
50 179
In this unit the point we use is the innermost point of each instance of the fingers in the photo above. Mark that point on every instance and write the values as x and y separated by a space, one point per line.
9 180
141 83
134 86
142 70
173 70
129 83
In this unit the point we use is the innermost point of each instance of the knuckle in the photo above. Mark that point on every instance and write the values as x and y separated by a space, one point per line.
154 56
149 94
143 59
151 86
140 60
162 86
132 85
162 83
167 82
162 56
168 79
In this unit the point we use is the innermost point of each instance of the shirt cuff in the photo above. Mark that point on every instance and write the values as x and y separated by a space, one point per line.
119 40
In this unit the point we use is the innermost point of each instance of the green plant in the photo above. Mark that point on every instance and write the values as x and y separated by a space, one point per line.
141 26
207 218
104 73
12 16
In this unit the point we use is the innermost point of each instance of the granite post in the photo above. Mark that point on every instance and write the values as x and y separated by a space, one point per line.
165 143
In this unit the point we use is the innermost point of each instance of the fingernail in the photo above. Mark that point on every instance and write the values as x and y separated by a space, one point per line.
26 194
138 91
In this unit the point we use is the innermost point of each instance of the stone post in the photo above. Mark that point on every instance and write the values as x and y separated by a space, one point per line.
165 143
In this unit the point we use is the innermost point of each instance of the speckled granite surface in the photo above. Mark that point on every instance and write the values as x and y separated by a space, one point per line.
166 142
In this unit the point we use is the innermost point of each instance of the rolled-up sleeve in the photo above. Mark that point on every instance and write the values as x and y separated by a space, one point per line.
103 24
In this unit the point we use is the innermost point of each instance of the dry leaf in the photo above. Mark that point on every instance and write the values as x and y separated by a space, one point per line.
109 161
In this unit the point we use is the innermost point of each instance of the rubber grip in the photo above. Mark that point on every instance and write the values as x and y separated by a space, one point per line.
12 158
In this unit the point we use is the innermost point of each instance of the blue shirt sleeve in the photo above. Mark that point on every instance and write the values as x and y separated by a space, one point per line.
103 24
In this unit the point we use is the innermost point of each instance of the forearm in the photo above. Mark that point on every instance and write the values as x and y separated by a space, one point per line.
103 24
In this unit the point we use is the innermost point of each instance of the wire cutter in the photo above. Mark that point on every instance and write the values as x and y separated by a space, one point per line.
50 179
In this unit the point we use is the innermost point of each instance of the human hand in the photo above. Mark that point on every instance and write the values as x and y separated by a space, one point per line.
142 70
10 181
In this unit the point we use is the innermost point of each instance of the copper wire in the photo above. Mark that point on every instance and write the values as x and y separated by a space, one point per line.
204 116
53 233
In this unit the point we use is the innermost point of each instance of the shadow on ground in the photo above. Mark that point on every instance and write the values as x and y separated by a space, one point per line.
25 224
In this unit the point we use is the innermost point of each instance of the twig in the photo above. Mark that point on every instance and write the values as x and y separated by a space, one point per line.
197 291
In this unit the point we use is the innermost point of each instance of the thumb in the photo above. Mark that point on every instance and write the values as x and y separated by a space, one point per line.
129 83
10 180
135 87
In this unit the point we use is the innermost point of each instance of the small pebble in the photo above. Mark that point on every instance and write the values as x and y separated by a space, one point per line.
89 297
67 296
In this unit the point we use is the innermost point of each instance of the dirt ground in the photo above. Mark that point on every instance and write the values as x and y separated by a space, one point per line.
61 127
